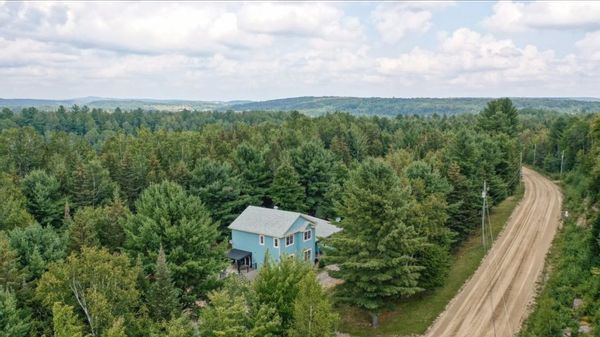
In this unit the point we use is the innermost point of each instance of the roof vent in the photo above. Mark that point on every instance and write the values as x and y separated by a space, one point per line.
275 207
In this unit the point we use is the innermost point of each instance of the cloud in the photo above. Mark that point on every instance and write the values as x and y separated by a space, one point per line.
394 21
517 17
471 59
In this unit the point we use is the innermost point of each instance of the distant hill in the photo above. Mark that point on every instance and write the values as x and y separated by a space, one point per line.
410 106
319 105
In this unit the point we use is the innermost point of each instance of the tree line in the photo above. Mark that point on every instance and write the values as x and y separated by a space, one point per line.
114 224
567 147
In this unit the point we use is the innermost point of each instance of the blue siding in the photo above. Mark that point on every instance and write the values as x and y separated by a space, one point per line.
250 242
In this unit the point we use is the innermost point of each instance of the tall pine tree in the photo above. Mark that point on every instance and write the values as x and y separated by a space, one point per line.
374 251
162 298
286 191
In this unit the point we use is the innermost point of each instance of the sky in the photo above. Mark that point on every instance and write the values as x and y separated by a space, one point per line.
262 50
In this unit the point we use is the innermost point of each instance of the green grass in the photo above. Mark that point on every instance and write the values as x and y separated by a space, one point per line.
413 316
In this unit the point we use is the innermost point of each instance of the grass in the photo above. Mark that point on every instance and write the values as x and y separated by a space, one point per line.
415 315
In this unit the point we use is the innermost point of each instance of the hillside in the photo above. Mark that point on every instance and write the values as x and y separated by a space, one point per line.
318 105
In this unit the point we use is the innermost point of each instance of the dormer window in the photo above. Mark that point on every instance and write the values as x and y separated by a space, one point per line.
261 240
289 240
308 235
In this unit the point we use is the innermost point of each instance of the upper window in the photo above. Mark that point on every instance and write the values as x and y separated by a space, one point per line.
261 240
307 235
276 243
289 240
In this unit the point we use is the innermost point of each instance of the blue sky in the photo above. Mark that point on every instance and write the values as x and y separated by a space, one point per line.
227 51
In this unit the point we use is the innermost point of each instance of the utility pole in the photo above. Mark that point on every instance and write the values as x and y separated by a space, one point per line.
483 210
520 166
562 160
534 152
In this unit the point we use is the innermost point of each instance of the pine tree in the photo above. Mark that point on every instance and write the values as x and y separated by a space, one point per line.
65 322
168 216
254 171
13 321
13 211
220 190
265 321
374 251
227 316
500 116
82 230
44 200
36 247
162 299
92 185
314 166
10 273
286 191
313 311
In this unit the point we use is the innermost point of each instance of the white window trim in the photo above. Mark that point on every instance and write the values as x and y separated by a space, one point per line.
310 257
261 239
304 235
293 240
275 240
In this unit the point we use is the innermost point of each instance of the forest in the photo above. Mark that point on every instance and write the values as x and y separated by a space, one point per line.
114 223
567 148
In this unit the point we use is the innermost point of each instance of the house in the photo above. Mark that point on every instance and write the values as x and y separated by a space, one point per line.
282 233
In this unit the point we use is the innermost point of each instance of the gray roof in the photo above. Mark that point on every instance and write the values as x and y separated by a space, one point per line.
276 222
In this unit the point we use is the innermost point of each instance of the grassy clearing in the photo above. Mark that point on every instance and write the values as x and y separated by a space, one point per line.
414 316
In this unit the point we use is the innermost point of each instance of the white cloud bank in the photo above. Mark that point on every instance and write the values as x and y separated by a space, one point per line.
269 50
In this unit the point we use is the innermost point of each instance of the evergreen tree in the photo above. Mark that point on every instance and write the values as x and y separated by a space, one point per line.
162 298
265 321
82 230
13 321
44 199
313 311
111 230
13 211
314 166
168 216
220 190
286 191
36 247
92 185
65 322
227 316
10 272
254 171
374 251
500 116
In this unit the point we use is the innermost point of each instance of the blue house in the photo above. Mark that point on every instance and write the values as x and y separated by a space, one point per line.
282 233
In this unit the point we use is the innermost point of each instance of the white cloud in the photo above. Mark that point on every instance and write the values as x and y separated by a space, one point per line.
590 45
516 17
471 59
394 21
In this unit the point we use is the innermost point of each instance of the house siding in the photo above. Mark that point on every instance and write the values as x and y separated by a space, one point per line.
250 242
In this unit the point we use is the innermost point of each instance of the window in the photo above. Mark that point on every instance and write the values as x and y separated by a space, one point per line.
261 240
289 240
307 235
307 255
276 243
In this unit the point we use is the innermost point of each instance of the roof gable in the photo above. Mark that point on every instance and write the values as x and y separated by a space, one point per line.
277 223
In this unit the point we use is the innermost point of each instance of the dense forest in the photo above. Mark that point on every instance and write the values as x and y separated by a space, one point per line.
115 223
568 148
317 106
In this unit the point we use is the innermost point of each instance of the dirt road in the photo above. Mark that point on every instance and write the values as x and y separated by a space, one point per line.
493 303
